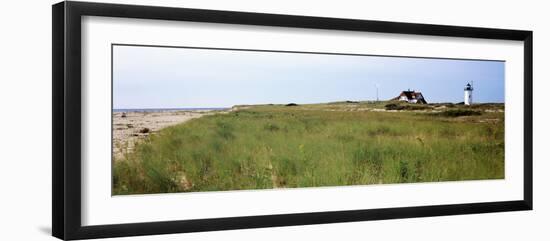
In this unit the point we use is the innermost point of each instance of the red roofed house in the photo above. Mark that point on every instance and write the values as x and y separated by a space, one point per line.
411 97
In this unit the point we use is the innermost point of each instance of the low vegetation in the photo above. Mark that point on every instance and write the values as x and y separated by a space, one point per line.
401 106
344 143
458 112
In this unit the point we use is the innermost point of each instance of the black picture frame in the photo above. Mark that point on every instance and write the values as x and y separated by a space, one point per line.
66 128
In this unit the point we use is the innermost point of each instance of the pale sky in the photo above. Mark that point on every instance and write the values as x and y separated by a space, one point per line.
162 77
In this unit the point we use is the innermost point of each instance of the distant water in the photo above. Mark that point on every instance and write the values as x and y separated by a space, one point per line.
167 109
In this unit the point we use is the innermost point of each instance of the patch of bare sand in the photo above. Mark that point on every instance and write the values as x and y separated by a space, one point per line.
131 127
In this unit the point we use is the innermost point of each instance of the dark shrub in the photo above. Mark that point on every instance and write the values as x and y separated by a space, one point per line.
394 106
291 104
449 105
416 107
459 112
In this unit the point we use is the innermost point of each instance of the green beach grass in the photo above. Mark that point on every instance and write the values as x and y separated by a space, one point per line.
334 144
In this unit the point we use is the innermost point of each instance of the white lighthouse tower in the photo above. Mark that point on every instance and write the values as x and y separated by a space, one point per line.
468 99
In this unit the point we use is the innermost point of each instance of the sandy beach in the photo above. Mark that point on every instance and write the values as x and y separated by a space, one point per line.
131 127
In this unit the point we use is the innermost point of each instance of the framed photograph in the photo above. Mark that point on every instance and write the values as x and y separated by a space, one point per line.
169 120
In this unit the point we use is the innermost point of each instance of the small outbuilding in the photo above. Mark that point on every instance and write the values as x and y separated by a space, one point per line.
411 96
